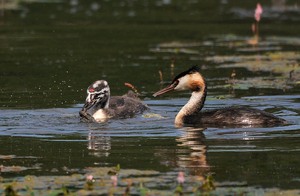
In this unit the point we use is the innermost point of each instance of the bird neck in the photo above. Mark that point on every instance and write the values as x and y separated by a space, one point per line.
193 106
104 103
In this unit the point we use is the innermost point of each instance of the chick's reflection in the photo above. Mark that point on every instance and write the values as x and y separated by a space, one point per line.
98 144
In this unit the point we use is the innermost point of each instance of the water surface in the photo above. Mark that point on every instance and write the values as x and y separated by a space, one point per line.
51 51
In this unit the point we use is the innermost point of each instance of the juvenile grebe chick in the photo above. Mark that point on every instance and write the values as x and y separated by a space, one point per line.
229 116
99 106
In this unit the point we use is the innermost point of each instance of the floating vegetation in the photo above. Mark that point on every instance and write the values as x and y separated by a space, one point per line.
98 181
261 82
152 115
271 58
266 43
16 168
283 63
208 184
177 44
294 41
177 47
174 50
16 4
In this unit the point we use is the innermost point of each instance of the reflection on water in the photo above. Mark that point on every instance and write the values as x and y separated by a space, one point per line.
195 161
191 153
99 146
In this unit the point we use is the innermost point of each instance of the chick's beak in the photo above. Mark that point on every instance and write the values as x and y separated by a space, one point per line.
89 102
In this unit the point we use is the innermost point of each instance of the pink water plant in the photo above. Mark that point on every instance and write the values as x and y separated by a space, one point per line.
89 182
90 178
258 12
180 178
114 180
257 16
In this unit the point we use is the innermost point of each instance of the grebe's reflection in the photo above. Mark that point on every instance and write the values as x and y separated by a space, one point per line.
194 159
187 152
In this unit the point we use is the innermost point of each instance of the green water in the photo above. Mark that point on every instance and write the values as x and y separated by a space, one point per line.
52 50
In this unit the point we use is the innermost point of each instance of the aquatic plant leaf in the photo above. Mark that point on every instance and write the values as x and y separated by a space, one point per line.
208 184
142 182
7 156
152 115
179 189
143 191
178 44
284 63
13 168
118 167
174 50
293 41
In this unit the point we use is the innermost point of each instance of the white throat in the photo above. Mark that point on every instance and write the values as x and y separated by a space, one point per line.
193 106
100 115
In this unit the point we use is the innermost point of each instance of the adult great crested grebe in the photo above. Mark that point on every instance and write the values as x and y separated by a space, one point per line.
99 106
229 116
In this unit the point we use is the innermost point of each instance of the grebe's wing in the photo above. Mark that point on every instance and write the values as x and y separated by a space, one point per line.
235 116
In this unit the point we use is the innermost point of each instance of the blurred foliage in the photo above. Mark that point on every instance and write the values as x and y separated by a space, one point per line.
141 183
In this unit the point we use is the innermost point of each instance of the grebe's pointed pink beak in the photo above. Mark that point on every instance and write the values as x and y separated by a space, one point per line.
165 90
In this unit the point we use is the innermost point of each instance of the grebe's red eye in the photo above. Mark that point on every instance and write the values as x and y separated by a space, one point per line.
91 90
